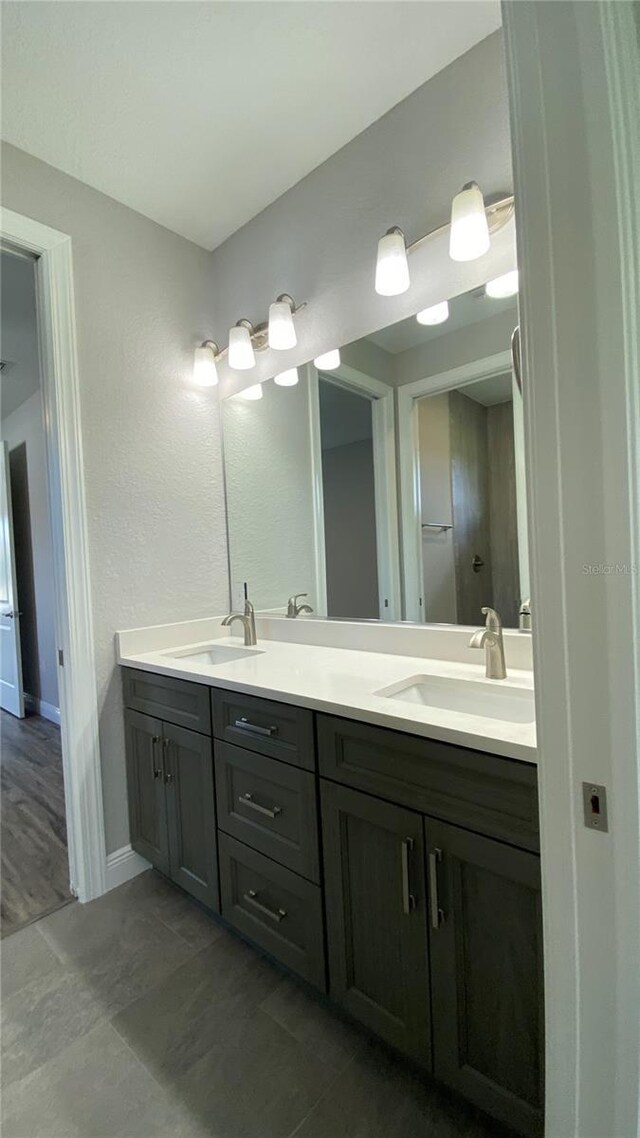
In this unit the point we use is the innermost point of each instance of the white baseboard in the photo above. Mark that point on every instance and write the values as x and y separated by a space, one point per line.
41 707
122 865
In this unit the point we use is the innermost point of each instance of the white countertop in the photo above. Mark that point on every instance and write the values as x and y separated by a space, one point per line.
344 682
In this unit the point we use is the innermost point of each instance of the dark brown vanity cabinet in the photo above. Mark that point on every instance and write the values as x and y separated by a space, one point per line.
171 802
398 873
376 916
486 972
434 929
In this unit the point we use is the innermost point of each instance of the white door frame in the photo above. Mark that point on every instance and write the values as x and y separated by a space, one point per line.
575 108
74 625
409 463
381 397
11 693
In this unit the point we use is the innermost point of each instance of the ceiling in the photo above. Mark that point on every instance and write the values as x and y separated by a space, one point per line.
20 378
469 308
198 115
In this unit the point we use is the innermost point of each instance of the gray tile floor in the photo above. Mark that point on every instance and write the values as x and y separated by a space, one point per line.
138 1016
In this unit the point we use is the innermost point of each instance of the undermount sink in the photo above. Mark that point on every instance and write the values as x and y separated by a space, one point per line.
213 654
494 700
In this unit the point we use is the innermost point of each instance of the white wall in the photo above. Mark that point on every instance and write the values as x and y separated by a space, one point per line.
453 349
25 425
152 454
318 241
267 451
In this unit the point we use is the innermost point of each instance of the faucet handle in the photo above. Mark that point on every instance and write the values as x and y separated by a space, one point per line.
493 621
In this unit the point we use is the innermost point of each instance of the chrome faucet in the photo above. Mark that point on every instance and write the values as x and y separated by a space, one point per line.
294 609
525 616
248 621
490 638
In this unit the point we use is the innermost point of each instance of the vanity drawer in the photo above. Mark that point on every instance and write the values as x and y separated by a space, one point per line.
274 907
486 793
273 729
270 806
176 701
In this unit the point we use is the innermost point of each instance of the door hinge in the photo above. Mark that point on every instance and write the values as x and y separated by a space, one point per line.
60 658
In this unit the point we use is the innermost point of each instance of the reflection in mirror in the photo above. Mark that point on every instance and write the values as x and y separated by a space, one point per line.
462 467
310 470
348 492
310 484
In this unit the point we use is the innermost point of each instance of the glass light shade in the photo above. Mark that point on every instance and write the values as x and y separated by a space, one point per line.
329 361
437 314
241 354
254 392
506 285
287 378
469 237
392 265
205 373
282 332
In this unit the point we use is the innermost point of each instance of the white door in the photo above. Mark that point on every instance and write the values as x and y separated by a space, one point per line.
11 690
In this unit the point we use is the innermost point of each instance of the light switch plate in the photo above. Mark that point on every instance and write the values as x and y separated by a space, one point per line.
594 798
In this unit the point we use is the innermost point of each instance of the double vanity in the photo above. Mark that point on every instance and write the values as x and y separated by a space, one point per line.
360 803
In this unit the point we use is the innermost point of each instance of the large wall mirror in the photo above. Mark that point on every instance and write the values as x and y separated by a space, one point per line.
389 486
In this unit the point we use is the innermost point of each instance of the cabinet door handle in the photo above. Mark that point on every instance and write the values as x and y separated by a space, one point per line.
437 914
168 775
253 728
251 898
247 800
157 771
408 899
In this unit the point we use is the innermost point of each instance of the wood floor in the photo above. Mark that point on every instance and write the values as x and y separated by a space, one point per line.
33 832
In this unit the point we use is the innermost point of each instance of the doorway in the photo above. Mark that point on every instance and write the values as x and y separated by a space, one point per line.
33 844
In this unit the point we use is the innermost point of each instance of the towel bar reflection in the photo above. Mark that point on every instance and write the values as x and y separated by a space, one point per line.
442 526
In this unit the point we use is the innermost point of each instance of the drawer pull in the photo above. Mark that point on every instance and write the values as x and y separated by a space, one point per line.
437 914
251 898
247 800
253 728
408 899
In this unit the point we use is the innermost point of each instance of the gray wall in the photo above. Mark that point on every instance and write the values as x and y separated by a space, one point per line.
152 459
23 431
350 531
318 241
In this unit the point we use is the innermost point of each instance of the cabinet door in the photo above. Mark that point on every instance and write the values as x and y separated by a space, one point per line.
486 973
376 919
193 860
146 791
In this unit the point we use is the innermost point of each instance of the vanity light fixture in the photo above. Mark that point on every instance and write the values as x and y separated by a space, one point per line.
469 236
254 392
329 361
469 231
287 378
437 314
241 354
501 287
282 332
392 265
205 373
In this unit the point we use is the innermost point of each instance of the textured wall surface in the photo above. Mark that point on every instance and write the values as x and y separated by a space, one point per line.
268 473
24 432
318 241
152 452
